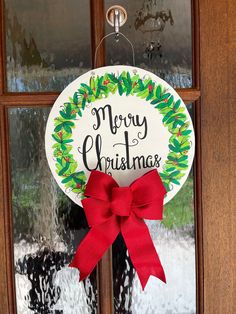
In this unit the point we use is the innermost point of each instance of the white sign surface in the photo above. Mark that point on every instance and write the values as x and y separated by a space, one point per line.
121 120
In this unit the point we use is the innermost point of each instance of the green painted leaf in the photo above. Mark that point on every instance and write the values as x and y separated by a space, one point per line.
148 82
88 88
59 161
166 185
56 138
92 83
126 83
175 173
177 122
170 169
161 105
104 88
167 116
182 165
63 170
134 78
171 158
113 78
67 141
64 115
181 115
83 103
186 132
67 128
141 86
176 143
149 96
174 149
177 104
63 147
79 113
179 176
98 92
155 101
183 158
69 123
185 126
143 94
163 176
175 181
129 78
170 100
129 89
183 149
67 179
81 91
165 96
158 92
120 89
58 127
68 109
77 180
75 98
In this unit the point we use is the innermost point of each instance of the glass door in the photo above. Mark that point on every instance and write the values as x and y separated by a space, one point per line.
45 46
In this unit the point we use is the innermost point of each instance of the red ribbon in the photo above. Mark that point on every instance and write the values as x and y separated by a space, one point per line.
111 209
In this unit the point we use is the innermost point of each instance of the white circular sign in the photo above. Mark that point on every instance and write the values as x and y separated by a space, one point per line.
123 121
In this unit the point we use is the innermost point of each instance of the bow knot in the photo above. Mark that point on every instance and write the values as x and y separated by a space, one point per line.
121 201
111 209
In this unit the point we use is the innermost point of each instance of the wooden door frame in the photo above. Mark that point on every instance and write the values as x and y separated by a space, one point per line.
215 185
218 145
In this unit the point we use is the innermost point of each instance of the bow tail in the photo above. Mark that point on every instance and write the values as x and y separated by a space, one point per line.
94 245
141 249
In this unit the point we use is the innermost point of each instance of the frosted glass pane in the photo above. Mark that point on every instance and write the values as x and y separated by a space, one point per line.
161 33
47 226
47 43
174 240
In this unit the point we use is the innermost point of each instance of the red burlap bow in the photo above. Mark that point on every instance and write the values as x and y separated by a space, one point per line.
111 209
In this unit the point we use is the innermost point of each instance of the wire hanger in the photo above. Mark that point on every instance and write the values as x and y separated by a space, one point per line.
116 33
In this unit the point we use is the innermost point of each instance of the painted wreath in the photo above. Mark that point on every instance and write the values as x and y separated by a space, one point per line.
99 87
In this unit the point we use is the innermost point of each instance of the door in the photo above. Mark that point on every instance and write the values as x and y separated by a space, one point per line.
45 45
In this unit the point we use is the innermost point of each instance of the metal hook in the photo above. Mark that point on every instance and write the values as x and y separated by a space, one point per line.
116 16
117 24
117 21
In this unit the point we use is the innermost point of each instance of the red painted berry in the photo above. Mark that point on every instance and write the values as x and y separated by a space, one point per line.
179 134
85 95
106 82
67 159
135 83
150 87
166 100
78 185
59 134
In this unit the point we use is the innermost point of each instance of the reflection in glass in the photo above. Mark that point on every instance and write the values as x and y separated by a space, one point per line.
160 31
47 226
174 239
47 42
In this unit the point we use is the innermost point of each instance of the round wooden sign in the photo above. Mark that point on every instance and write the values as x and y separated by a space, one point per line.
123 121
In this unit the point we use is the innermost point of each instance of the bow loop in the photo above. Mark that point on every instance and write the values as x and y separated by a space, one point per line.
147 189
100 186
